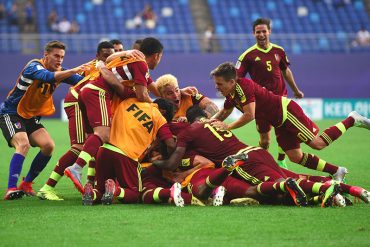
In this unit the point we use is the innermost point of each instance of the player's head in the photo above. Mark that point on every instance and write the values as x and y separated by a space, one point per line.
104 50
137 44
224 77
166 108
54 52
117 45
262 31
153 50
168 88
194 113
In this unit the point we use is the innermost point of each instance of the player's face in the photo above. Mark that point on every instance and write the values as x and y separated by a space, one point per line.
104 54
223 86
262 35
172 93
54 59
154 60
118 47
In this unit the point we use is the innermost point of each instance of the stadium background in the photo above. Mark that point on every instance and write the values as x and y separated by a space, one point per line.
316 34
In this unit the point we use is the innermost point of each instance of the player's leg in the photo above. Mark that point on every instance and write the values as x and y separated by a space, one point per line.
14 131
96 111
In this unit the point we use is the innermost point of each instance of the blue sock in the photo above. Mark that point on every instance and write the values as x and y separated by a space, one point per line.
15 170
38 164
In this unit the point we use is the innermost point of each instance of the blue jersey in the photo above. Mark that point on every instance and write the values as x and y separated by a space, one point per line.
34 71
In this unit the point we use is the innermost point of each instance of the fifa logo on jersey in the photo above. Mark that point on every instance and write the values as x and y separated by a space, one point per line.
17 125
141 116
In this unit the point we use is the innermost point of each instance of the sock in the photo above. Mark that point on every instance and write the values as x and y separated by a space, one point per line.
91 170
37 165
352 190
334 132
320 179
310 187
127 195
15 169
65 161
315 163
271 188
216 177
89 150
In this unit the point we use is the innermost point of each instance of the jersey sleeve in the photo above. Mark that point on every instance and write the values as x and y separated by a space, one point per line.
247 95
140 73
73 80
242 66
35 71
164 132
284 62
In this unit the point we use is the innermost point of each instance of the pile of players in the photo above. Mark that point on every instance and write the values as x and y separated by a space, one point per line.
175 149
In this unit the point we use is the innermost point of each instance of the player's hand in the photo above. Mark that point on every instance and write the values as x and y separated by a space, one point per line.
82 68
219 125
100 64
299 94
182 119
191 90
135 54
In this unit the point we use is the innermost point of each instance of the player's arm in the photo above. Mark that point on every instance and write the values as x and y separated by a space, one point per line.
129 53
288 76
142 93
110 78
173 162
246 117
178 177
223 114
208 106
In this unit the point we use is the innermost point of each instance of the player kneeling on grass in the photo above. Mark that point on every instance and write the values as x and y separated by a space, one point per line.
135 125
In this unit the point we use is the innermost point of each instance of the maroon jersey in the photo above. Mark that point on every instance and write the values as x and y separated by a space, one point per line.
137 72
264 67
205 140
268 105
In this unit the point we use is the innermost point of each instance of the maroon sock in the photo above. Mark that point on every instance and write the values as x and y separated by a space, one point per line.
271 188
334 132
91 147
352 190
92 165
130 196
65 161
320 179
217 177
187 198
313 162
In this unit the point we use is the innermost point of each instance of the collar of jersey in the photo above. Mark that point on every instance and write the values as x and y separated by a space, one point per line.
264 51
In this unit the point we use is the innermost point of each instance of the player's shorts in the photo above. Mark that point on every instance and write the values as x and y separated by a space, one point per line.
77 133
260 167
113 165
198 179
263 126
96 108
297 128
12 124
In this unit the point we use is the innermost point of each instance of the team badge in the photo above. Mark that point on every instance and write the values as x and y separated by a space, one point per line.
277 57
17 125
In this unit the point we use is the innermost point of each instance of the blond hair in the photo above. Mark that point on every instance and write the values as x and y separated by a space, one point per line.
166 80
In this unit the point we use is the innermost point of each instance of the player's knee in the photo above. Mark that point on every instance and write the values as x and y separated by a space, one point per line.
295 158
317 144
23 148
48 148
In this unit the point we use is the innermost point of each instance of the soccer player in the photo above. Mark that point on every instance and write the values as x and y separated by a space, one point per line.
292 126
268 66
168 88
21 111
257 166
77 134
117 45
95 100
135 125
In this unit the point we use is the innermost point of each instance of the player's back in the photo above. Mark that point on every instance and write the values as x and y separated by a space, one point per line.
213 144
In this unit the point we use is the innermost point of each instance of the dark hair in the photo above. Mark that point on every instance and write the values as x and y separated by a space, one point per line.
116 42
150 46
194 112
225 70
54 44
138 43
262 21
166 107
104 45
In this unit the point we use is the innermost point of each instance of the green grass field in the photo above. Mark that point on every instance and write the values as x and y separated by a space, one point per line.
32 222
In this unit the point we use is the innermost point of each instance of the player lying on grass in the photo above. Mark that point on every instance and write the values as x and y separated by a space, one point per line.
292 126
